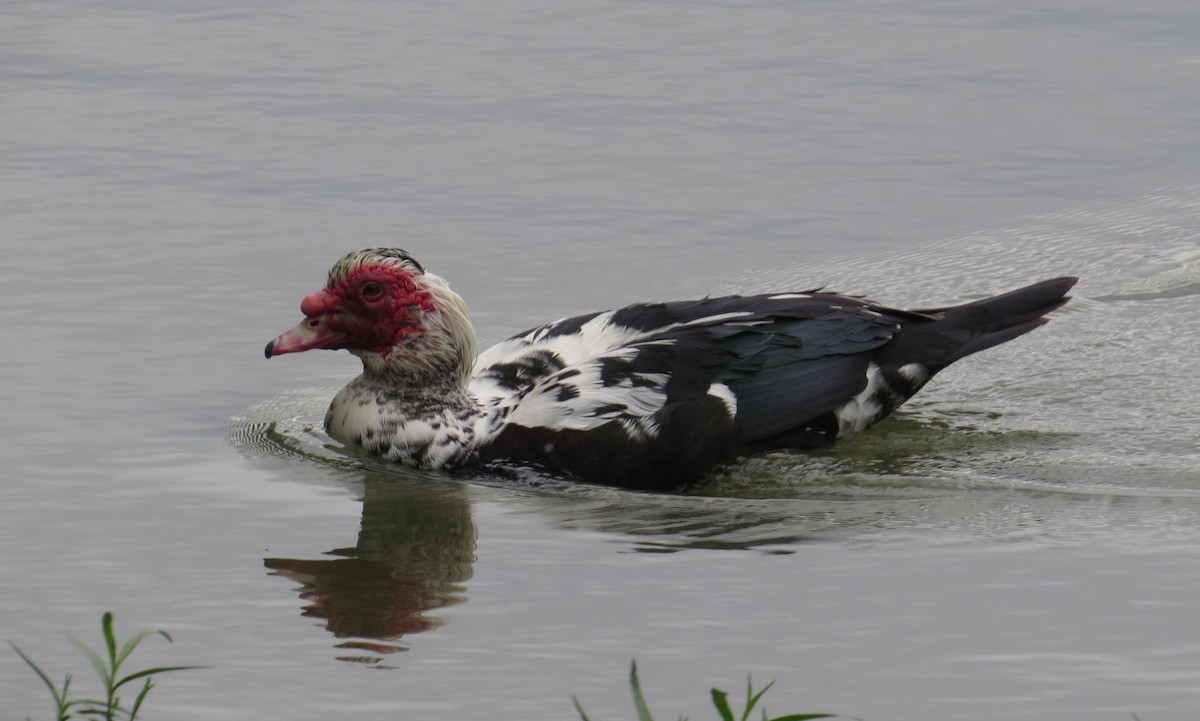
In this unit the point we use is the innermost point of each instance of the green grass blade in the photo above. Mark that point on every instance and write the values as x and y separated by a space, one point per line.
134 641
110 639
639 701
720 699
130 644
91 706
109 708
93 658
579 708
137 703
63 702
752 698
150 672
59 697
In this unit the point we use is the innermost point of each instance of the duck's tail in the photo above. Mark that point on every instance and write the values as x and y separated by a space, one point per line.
958 331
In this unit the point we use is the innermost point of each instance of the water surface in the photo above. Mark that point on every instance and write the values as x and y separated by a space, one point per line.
1021 541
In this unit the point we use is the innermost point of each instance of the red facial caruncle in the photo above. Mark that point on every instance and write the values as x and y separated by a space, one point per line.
374 308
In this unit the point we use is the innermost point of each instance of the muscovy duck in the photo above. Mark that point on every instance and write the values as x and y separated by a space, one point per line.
651 396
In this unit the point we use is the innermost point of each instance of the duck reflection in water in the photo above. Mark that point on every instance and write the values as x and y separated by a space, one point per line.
414 554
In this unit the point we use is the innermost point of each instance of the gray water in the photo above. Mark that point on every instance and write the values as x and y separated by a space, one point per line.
1023 541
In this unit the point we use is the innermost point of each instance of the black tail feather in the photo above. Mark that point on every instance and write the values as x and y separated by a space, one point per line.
999 319
989 340
959 331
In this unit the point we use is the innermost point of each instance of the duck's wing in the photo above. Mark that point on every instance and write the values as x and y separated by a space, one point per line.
690 379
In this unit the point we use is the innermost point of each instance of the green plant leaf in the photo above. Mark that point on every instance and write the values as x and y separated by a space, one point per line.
639 701
134 641
579 708
62 702
110 708
110 638
93 658
753 698
720 699
137 704
58 696
150 672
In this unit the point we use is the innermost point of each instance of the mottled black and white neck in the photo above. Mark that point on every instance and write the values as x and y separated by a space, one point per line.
651 396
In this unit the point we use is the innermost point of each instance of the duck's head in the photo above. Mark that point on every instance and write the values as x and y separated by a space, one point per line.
381 305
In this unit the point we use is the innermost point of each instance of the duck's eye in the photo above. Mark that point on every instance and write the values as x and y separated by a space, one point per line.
372 291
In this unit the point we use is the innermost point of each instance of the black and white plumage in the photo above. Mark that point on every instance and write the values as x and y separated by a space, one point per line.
651 396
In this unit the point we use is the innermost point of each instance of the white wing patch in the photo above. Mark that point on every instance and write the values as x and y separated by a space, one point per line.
915 373
575 396
595 403
726 396
594 338
863 409
706 320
